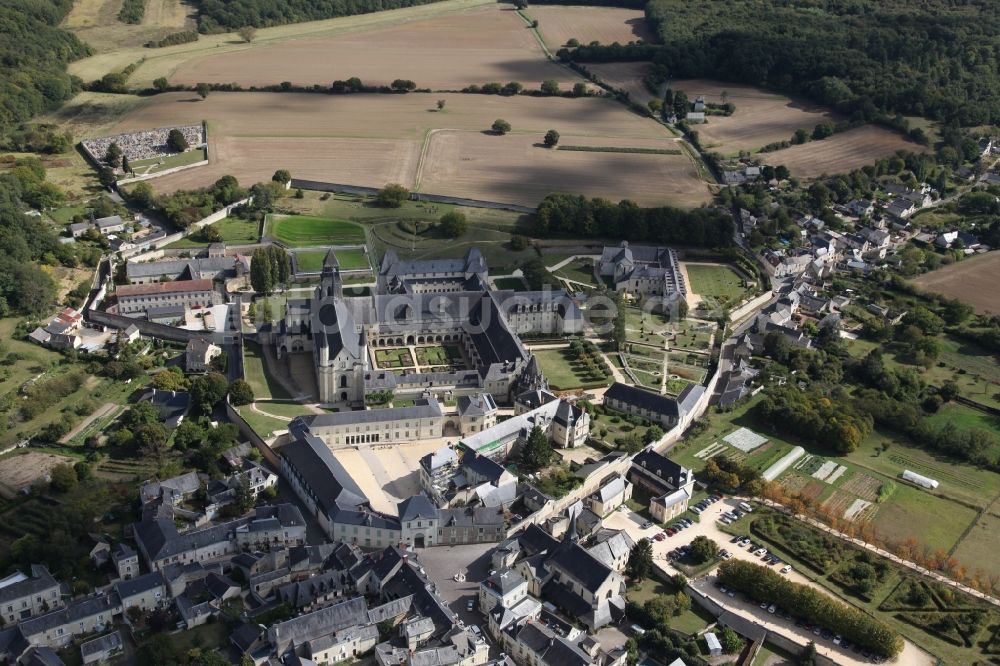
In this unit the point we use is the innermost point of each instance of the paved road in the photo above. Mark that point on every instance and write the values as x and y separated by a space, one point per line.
632 523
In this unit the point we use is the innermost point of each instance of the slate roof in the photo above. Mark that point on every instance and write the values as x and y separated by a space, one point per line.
112 641
658 404
139 585
581 565
137 270
326 478
318 623
476 405
535 540
39 581
417 507
424 408
662 467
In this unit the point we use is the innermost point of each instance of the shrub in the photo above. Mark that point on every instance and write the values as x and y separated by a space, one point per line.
392 196
500 126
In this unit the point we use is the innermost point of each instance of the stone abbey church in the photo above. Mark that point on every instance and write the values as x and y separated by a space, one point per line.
419 303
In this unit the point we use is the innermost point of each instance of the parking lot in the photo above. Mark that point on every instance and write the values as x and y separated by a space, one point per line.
709 527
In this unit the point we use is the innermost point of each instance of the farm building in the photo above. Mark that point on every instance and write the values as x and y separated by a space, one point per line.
920 479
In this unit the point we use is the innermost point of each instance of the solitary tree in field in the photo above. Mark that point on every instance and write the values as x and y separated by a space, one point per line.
392 196
161 83
550 87
579 89
113 156
247 33
176 141
453 224
440 104
501 126
203 89
551 138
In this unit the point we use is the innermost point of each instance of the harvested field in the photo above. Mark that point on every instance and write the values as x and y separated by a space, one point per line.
514 169
978 548
484 44
626 77
761 117
558 24
335 139
972 281
18 471
842 152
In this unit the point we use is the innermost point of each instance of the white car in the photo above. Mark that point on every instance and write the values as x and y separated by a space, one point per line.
785 569
760 552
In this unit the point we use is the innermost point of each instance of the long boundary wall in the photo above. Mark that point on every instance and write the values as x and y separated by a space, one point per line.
340 188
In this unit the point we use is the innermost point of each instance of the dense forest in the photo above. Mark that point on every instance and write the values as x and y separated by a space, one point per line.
228 15
33 57
935 58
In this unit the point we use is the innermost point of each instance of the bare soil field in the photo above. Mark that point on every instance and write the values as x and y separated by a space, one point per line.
515 169
17 471
449 52
761 117
973 281
627 77
336 138
558 24
841 152
96 22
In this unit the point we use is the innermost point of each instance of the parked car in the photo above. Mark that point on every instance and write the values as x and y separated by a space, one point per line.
646 525
623 508
470 604
725 521
785 569
475 629
772 608
760 552
837 639
659 537
746 507
735 539
687 522
695 510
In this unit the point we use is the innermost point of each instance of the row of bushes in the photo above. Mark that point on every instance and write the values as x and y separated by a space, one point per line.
811 605
173 39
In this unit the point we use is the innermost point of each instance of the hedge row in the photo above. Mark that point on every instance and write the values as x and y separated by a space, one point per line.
811 605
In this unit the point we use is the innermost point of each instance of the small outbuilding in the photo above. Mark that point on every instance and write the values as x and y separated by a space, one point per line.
713 644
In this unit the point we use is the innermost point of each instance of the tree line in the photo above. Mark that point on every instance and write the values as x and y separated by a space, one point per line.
215 16
576 215
810 605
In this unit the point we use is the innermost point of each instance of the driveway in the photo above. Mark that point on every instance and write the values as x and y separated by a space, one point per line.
632 522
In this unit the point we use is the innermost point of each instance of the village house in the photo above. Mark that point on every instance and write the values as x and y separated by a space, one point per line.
199 353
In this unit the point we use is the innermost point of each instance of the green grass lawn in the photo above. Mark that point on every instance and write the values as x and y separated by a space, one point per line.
607 427
305 231
232 229
286 409
514 284
65 214
265 387
717 282
563 373
393 358
157 164
581 270
262 425
312 261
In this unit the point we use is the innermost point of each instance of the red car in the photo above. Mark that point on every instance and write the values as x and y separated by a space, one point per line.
659 537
